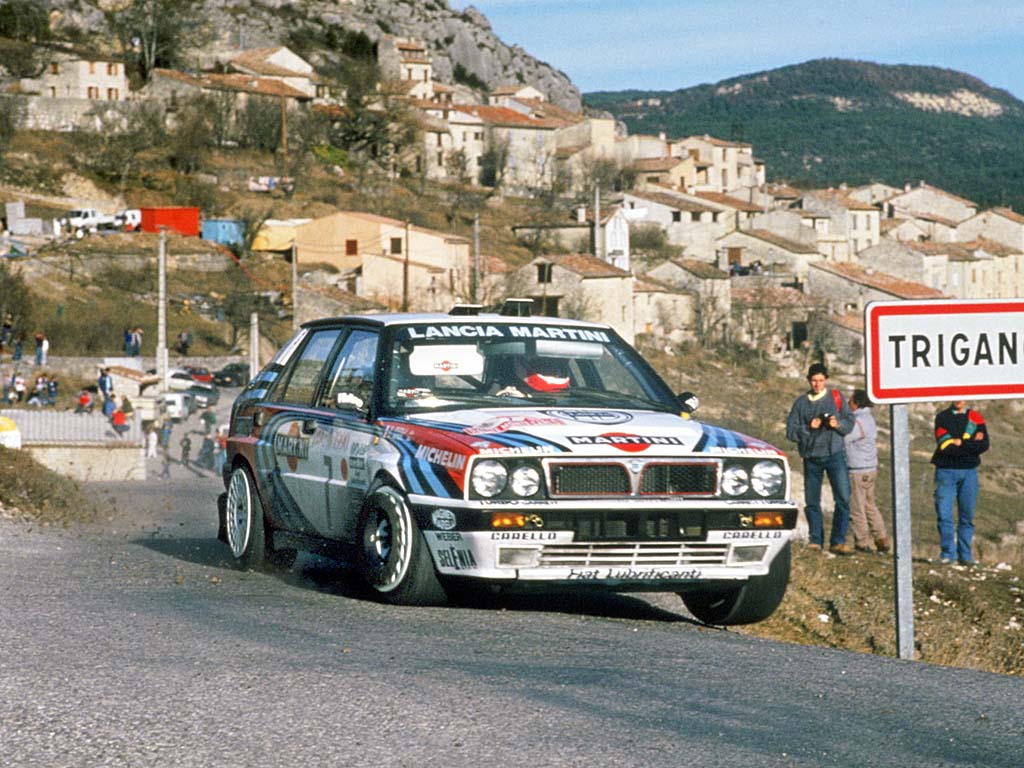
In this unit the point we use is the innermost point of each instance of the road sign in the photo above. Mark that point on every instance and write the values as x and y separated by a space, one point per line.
944 349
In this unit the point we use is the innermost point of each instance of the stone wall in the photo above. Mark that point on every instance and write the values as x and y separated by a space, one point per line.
92 463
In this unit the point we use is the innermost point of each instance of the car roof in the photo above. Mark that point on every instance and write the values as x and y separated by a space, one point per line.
387 319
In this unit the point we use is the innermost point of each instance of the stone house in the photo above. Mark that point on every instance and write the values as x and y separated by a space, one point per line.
663 311
231 92
578 234
858 221
686 221
675 172
712 291
874 193
774 252
978 269
1003 225
848 287
410 266
408 62
578 285
80 76
805 227
728 166
281 64
928 200
770 318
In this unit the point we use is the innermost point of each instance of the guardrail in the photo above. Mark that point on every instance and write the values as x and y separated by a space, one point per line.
49 427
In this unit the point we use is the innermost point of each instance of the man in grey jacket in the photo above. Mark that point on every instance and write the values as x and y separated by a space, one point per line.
817 423
862 459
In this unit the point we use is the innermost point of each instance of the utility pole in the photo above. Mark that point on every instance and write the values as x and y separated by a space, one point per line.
254 344
161 313
295 287
476 258
597 221
284 136
405 272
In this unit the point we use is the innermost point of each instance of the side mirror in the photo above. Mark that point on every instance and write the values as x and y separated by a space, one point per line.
688 402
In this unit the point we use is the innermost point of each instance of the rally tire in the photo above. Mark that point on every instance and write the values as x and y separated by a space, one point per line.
392 555
752 601
245 526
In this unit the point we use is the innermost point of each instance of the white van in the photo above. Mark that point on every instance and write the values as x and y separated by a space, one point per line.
177 405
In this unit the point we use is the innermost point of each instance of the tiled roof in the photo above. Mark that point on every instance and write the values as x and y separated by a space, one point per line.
545 110
502 116
672 201
851 321
586 265
771 296
937 190
842 197
953 251
903 289
731 202
782 242
991 247
647 284
934 219
701 269
649 164
783 191
1009 213
719 142
263 86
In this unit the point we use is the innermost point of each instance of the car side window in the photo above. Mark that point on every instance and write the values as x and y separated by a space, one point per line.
353 373
307 371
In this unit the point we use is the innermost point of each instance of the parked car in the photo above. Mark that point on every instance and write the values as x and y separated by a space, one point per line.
129 219
232 375
82 220
521 453
199 373
204 394
176 405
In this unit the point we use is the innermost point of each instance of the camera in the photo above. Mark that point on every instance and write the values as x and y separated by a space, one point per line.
824 420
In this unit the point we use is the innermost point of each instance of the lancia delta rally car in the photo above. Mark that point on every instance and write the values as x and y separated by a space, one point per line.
517 452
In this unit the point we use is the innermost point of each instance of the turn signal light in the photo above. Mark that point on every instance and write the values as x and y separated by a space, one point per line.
768 520
508 520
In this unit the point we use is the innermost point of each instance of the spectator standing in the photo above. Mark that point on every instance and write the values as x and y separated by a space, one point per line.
862 459
165 470
152 437
19 386
7 330
110 405
52 390
184 340
165 435
961 436
105 384
209 419
186 449
19 347
817 423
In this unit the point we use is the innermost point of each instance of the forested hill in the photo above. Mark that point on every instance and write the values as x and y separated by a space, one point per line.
832 120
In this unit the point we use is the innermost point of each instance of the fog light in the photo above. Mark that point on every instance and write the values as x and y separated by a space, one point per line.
518 557
753 554
508 520
769 520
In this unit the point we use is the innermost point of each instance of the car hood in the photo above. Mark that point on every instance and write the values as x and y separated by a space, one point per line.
578 431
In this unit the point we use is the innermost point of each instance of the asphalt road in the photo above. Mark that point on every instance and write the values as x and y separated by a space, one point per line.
135 643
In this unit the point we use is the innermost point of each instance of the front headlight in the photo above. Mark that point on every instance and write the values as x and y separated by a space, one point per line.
525 481
735 481
767 478
489 478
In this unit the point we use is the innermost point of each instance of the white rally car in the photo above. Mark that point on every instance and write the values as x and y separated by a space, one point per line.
513 451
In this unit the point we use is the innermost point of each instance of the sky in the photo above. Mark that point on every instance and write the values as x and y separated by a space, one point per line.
613 45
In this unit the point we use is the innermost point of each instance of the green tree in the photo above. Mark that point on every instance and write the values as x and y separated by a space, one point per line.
10 119
187 142
494 161
24 20
260 124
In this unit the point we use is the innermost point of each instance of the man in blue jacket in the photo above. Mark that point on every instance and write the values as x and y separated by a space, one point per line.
817 423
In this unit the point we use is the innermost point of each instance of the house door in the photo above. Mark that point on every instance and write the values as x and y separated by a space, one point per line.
798 335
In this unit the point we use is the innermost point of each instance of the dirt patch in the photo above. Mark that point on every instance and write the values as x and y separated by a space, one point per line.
32 493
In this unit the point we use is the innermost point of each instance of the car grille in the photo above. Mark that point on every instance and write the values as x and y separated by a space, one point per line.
594 555
693 478
629 525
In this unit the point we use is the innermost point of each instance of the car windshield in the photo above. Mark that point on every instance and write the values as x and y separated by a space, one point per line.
484 364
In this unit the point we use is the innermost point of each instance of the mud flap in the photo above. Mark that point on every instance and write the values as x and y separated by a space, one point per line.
222 517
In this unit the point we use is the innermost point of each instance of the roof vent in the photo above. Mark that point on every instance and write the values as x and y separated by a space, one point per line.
517 307
466 309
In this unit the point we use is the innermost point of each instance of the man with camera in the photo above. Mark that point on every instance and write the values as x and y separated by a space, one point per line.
817 423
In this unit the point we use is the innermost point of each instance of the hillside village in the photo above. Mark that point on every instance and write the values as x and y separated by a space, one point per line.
784 270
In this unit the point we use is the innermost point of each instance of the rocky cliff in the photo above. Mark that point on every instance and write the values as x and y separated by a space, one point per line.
455 39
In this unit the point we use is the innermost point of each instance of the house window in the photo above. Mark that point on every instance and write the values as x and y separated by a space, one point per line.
440 159
351 247
735 255
677 216
546 306
93 92
798 334
543 273
112 68
439 139
53 92
652 179
112 94
479 136
396 245
92 67
54 68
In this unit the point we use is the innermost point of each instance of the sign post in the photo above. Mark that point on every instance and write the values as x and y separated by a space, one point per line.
922 351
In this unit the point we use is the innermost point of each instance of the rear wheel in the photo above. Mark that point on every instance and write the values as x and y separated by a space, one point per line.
245 526
752 601
392 555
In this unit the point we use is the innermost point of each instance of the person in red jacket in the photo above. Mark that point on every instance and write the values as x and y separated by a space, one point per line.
960 437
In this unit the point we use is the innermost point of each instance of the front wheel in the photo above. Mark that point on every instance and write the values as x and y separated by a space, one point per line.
752 601
392 556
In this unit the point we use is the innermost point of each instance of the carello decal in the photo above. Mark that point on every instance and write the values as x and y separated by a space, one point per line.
626 442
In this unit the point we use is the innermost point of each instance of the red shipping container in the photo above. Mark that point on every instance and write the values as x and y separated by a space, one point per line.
184 221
